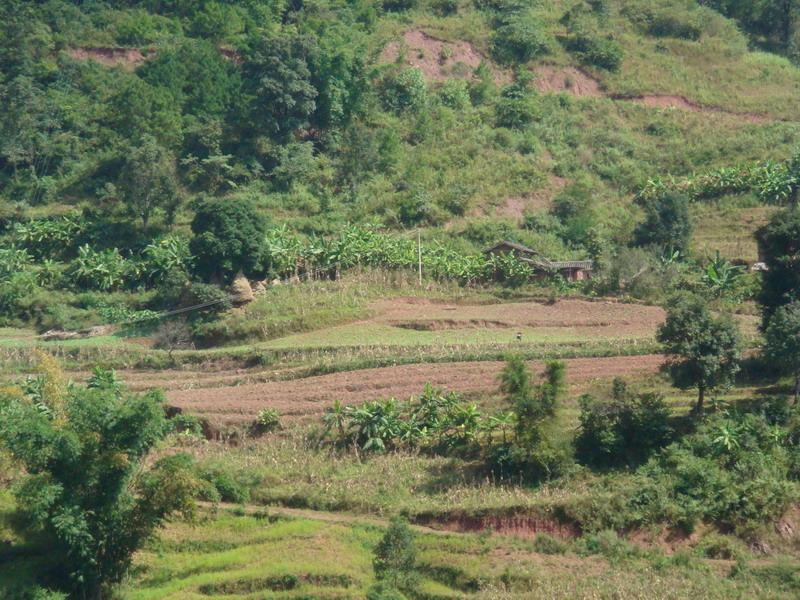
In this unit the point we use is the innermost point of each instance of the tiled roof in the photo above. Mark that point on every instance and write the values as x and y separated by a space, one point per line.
513 245
541 262
572 264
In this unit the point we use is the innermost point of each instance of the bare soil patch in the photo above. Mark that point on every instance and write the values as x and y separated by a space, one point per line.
551 80
311 396
438 60
602 318
110 57
667 101
577 82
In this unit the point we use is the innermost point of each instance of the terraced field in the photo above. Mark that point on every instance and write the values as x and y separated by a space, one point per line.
312 395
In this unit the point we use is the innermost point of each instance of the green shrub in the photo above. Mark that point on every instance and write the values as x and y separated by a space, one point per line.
228 237
444 8
734 471
227 487
405 90
517 106
624 430
547 544
519 37
715 545
608 544
384 591
396 557
104 270
596 50
665 21
13 260
398 5
13 292
268 419
455 94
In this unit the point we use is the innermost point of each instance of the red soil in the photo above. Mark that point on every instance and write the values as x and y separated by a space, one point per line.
110 57
439 60
551 79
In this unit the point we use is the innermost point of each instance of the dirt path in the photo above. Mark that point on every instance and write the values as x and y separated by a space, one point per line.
339 518
311 396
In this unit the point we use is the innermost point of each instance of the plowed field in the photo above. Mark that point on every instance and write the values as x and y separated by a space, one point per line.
312 395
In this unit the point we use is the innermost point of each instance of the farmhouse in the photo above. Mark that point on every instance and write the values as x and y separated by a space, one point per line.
571 270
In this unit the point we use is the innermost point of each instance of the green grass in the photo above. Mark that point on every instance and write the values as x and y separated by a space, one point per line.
728 226
374 334
329 560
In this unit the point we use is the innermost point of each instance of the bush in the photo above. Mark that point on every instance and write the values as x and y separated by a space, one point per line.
396 557
228 237
445 8
227 487
93 493
608 544
667 225
622 431
734 471
596 50
547 544
398 5
665 21
517 106
723 547
404 90
519 37
455 94
384 591
104 270
268 419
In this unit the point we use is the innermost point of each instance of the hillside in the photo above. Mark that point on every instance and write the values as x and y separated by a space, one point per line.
251 345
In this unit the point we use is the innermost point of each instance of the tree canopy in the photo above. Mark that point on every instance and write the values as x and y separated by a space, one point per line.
779 248
89 489
704 349
228 237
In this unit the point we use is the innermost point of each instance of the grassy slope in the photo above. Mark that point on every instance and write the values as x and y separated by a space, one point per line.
235 556
615 144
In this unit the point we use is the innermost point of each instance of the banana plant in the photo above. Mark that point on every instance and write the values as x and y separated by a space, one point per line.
721 276
727 438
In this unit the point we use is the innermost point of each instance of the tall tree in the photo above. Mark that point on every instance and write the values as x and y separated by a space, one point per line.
277 80
779 249
704 349
89 487
667 224
149 182
396 557
202 82
782 347
228 237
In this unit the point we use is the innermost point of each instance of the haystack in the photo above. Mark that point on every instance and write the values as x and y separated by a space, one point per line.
241 292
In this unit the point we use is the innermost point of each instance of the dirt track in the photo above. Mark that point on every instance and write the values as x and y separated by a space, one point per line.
313 395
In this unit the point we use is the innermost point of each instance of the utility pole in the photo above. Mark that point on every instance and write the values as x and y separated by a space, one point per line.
419 255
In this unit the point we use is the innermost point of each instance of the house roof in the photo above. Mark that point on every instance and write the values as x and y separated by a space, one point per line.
514 245
557 265
539 261
572 264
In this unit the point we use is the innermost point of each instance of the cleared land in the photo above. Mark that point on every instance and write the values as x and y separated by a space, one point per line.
311 396
419 321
